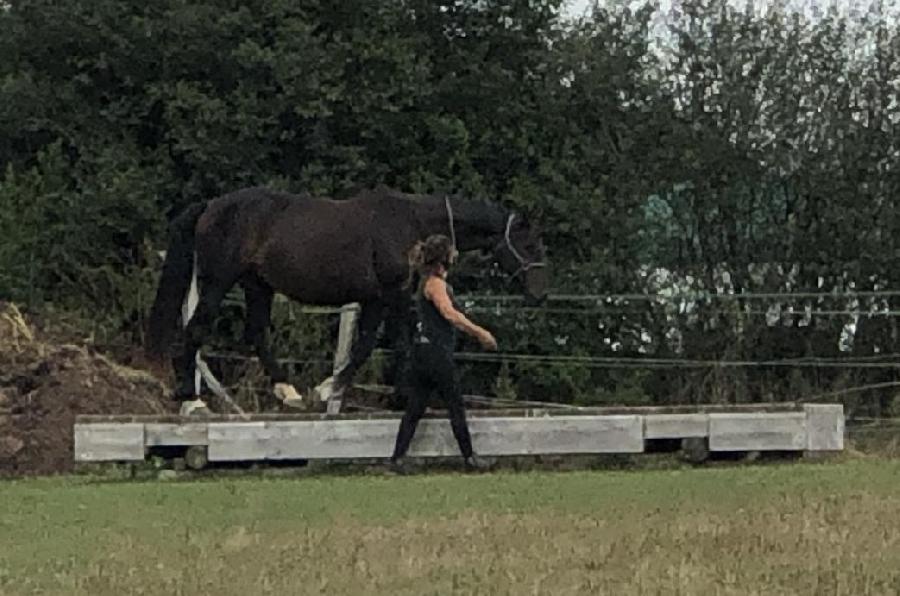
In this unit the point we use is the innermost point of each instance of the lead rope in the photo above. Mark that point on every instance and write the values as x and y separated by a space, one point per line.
450 219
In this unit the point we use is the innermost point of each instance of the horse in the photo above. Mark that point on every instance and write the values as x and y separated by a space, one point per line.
321 252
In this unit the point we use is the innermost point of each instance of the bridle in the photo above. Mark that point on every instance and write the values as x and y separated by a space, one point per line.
524 264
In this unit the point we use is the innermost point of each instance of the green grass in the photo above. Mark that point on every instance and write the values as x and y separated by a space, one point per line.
777 529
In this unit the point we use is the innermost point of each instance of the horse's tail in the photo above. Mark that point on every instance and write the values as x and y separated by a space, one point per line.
179 274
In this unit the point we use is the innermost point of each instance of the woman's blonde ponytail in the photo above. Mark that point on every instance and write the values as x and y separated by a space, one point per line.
415 259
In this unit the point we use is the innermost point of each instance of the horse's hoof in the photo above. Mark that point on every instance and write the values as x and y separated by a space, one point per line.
289 396
296 404
195 407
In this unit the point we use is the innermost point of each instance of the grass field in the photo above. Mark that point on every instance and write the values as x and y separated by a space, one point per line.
771 529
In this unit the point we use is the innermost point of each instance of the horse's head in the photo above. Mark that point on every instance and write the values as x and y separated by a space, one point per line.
521 253
507 237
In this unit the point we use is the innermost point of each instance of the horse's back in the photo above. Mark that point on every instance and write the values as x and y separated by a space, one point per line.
313 249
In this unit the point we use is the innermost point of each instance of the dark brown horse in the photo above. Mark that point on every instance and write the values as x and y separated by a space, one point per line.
317 251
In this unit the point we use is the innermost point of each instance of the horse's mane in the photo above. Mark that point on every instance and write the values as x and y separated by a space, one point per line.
483 208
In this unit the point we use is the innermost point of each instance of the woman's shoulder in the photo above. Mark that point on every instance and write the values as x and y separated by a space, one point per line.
435 284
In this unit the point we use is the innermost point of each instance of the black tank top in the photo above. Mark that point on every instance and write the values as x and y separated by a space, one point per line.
431 326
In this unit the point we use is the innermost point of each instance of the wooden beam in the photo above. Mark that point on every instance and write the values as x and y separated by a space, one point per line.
375 438
215 386
785 431
109 442
676 426
809 428
824 427
472 413
171 434
346 335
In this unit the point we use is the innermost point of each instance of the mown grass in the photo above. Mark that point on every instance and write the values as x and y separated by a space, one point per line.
829 528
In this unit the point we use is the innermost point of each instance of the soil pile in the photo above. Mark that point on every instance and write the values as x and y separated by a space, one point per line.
45 384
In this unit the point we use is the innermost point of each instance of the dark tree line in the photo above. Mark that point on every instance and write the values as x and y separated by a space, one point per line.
730 150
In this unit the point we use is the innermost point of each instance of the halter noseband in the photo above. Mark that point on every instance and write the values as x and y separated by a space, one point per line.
524 264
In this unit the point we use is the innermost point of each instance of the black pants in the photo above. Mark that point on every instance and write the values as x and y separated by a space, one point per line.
431 369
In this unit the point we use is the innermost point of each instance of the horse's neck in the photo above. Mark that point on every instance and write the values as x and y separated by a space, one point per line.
474 225
437 219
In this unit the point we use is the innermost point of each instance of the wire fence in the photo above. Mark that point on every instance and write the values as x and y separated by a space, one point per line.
610 304
785 306
694 295
603 302
612 362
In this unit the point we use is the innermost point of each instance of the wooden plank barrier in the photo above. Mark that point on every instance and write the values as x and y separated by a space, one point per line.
765 427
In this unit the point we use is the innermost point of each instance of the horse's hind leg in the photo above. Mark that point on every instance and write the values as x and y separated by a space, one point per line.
258 296
198 322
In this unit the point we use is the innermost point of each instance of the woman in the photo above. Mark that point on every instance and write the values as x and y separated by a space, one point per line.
434 338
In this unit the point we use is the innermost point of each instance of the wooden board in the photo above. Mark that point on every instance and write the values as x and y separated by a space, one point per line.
757 431
676 426
109 442
472 413
375 438
824 427
792 427
171 434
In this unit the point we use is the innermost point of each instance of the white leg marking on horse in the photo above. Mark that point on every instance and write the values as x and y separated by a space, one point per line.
194 407
189 307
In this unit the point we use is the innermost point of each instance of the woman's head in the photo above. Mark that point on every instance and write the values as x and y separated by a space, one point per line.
435 252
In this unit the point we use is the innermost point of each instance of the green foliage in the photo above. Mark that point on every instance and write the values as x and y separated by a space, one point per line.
726 141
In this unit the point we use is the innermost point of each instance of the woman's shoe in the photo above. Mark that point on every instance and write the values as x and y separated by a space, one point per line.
398 466
474 464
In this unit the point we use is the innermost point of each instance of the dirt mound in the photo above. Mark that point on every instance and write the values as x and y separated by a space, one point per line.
44 385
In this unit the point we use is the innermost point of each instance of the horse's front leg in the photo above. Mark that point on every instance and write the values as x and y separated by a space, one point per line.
258 297
364 338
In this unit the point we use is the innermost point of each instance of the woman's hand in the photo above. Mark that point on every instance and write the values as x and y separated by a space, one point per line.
487 340
436 291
